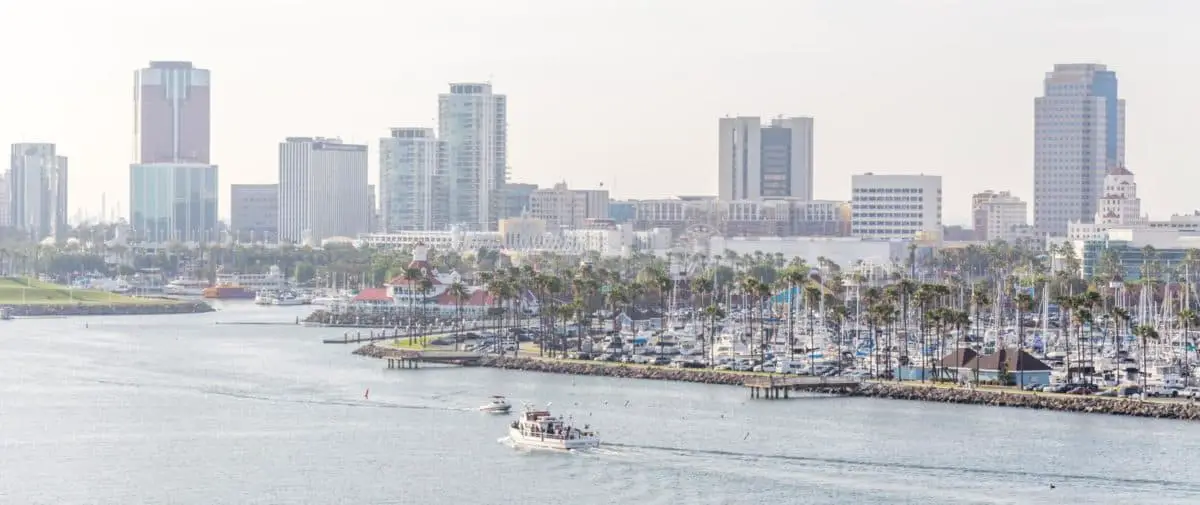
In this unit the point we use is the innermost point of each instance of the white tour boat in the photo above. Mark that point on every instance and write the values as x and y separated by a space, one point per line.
538 429
186 287
498 406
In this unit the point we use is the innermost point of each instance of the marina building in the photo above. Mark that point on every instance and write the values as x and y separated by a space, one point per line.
322 189
759 162
1079 133
896 206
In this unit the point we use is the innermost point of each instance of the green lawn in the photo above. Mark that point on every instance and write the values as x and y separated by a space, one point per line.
22 291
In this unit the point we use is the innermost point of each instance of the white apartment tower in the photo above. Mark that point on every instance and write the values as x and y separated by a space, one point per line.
1079 133
999 216
896 206
761 162
322 189
413 186
36 192
472 122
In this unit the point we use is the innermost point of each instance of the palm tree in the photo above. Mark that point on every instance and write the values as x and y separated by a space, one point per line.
1023 303
1188 319
1146 333
812 298
794 278
458 291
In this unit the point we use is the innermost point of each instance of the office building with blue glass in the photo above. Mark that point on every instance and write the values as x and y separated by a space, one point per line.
173 202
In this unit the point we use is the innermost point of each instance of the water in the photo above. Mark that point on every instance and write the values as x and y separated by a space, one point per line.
177 409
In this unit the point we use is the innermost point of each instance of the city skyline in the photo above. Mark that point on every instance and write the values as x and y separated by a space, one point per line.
909 129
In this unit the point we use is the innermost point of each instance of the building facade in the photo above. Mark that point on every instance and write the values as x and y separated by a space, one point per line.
472 121
372 209
4 199
1118 207
896 206
999 216
36 192
254 212
759 162
1079 133
514 201
414 189
561 207
173 202
322 189
171 113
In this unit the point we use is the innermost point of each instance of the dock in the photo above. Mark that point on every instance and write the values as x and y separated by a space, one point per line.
406 358
359 337
773 387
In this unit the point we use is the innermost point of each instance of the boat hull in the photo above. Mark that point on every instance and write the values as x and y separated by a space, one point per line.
552 444
495 410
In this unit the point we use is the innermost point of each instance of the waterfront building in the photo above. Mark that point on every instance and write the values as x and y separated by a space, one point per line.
472 121
759 162
254 212
173 202
1079 133
1132 248
322 189
36 191
896 206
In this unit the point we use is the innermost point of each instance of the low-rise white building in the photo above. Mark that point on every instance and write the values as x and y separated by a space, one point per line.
896 206
844 251
999 216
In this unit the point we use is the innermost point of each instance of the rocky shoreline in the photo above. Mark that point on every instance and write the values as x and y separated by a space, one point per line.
54 310
893 391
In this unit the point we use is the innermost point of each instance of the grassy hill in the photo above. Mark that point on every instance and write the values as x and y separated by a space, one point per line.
25 291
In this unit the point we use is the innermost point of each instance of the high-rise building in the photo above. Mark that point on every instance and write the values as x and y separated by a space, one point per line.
761 162
171 113
1079 134
4 199
413 184
254 212
999 216
173 202
37 191
472 121
322 189
896 206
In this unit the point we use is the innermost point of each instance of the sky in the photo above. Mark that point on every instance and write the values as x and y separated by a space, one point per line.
621 92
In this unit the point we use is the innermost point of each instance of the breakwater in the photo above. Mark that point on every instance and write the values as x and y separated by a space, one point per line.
131 309
892 391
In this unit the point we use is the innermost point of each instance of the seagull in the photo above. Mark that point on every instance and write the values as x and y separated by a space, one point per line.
747 436
1051 486
626 403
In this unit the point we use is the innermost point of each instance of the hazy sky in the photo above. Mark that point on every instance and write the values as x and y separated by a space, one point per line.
618 91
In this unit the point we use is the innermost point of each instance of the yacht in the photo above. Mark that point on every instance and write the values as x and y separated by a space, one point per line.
498 405
185 287
538 429
264 297
287 298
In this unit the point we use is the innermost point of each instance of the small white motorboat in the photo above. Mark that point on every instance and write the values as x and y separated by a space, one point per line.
498 405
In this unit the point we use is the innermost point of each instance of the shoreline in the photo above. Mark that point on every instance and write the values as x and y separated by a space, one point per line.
925 392
117 309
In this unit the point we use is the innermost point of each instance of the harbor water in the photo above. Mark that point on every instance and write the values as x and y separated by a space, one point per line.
179 409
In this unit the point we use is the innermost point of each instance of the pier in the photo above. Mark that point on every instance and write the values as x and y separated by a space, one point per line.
772 387
404 358
359 337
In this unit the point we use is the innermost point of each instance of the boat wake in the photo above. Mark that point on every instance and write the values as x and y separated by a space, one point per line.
1040 476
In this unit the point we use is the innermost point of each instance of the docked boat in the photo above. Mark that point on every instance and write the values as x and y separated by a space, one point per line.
498 405
288 298
228 293
538 429
185 287
264 297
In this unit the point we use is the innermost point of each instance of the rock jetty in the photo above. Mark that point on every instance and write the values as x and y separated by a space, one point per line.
1084 404
133 309
893 391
